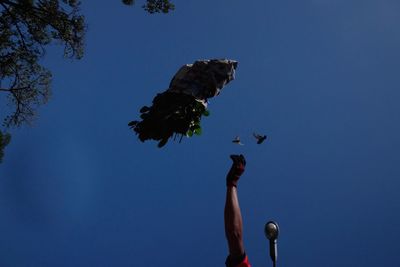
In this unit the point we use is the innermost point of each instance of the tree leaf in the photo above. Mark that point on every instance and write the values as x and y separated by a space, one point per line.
206 113
197 131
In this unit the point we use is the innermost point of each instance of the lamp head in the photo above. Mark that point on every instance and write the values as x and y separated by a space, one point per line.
271 230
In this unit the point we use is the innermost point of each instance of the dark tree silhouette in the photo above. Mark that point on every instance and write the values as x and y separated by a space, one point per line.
154 6
26 28
4 141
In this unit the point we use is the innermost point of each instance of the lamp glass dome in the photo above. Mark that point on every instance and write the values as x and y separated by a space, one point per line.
271 230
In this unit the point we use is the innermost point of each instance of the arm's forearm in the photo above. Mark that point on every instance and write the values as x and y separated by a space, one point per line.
233 222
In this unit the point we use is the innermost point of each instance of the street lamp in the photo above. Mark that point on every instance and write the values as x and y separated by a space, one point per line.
271 231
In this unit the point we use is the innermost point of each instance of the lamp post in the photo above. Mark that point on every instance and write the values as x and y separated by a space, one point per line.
271 231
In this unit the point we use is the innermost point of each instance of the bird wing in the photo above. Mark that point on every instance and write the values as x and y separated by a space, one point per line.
237 141
257 135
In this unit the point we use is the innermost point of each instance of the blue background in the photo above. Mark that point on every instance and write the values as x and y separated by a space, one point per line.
321 77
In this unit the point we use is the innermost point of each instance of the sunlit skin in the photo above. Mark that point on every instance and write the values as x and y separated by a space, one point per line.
232 214
233 222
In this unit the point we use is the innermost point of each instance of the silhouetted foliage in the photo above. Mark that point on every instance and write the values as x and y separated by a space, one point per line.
171 114
26 28
178 110
4 141
154 6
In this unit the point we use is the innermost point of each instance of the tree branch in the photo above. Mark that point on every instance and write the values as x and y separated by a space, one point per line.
14 89
22 36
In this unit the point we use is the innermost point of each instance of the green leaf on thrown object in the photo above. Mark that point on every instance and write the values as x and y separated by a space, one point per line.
144 109
206 113
195 126
144 116
197 131
189 133
133 123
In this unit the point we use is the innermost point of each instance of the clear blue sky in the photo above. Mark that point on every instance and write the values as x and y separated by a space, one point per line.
321 77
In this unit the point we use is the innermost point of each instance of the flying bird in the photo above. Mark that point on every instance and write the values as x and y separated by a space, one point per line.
260 138
237 141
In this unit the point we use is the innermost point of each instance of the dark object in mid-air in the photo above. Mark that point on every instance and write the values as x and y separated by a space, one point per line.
237 141
260 138
178 110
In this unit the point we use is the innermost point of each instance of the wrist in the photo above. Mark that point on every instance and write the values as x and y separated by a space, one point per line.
231 183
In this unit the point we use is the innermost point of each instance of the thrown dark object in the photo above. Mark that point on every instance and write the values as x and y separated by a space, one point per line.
260 138
178 110
237 141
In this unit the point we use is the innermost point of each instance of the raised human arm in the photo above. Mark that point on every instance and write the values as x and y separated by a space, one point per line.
232 214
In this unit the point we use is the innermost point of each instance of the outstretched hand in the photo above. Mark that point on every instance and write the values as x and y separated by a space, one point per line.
238 159
237 169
